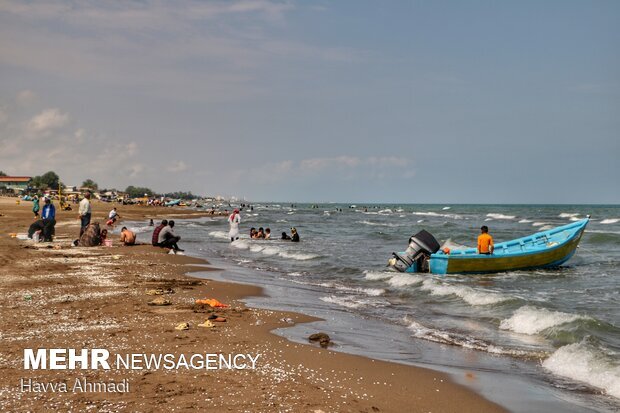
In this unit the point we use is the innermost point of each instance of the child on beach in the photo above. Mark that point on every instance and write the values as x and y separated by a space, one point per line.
35 206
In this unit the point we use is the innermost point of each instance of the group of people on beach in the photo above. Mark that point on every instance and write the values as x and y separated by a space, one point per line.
44 227
164 236
234 220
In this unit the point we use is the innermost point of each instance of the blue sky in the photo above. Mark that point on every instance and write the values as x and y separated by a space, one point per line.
351 101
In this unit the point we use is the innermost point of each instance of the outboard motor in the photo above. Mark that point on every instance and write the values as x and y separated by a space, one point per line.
421 246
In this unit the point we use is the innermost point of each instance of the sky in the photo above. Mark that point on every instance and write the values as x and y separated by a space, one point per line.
317 101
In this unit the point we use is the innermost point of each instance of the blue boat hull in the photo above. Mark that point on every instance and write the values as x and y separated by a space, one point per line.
541 250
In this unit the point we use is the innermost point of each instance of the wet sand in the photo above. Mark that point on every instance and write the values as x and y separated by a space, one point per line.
58 296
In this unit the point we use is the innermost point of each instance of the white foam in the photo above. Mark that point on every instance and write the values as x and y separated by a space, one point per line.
546 227
445 208
297 256
500 216
533 320
469 295
585 363
372 292
377 224
420 220
378 275
610 221
539 224
219 234
436 214
524 221
385 211
403 280
456 339
353 302
567 215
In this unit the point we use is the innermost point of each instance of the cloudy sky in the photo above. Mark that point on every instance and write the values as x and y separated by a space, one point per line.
351 101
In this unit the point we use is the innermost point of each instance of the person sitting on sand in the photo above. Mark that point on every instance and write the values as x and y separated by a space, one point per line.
48 214
294 235
156 231
267 233
285 236
91 236
128 237
485 241
167 238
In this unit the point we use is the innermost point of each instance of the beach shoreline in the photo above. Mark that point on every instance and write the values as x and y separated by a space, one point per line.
65 297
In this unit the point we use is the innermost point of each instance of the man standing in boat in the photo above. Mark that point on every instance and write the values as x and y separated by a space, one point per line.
485 241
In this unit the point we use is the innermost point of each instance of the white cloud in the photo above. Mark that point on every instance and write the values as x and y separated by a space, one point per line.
71 151
205 51
178 166
26 97
47 121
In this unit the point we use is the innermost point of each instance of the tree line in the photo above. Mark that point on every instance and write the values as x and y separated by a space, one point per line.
51 180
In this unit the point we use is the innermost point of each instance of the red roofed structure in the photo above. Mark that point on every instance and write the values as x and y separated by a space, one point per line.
15 182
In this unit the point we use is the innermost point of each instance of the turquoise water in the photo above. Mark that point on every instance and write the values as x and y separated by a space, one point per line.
557 327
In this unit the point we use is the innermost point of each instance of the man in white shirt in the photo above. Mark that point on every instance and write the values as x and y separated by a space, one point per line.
84 212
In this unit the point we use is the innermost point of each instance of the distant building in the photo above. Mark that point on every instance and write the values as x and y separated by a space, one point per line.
16 183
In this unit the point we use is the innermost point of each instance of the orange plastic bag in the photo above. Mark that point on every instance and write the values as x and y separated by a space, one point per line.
212 302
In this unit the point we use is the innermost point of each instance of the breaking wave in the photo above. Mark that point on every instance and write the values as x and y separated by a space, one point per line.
353 301
436 214
378 275
533 320
378 224
500 216
469 295
462 340
610 221
271 250
586 363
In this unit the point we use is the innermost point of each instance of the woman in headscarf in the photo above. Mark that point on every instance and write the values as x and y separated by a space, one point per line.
233 220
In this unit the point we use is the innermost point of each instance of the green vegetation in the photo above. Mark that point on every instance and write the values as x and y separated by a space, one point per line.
181 195
89 183
47 180
138 191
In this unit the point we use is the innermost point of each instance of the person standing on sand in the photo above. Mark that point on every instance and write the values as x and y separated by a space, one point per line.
234 220
48 214
35 206
84 212
485 241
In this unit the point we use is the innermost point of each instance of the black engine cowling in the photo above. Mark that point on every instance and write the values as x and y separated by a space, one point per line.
421 246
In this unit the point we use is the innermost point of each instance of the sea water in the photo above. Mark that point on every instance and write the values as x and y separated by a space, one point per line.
558 329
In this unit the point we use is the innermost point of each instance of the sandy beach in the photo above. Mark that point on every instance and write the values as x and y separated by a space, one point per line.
58 296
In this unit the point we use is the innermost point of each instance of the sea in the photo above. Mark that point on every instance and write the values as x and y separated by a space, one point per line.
539 340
